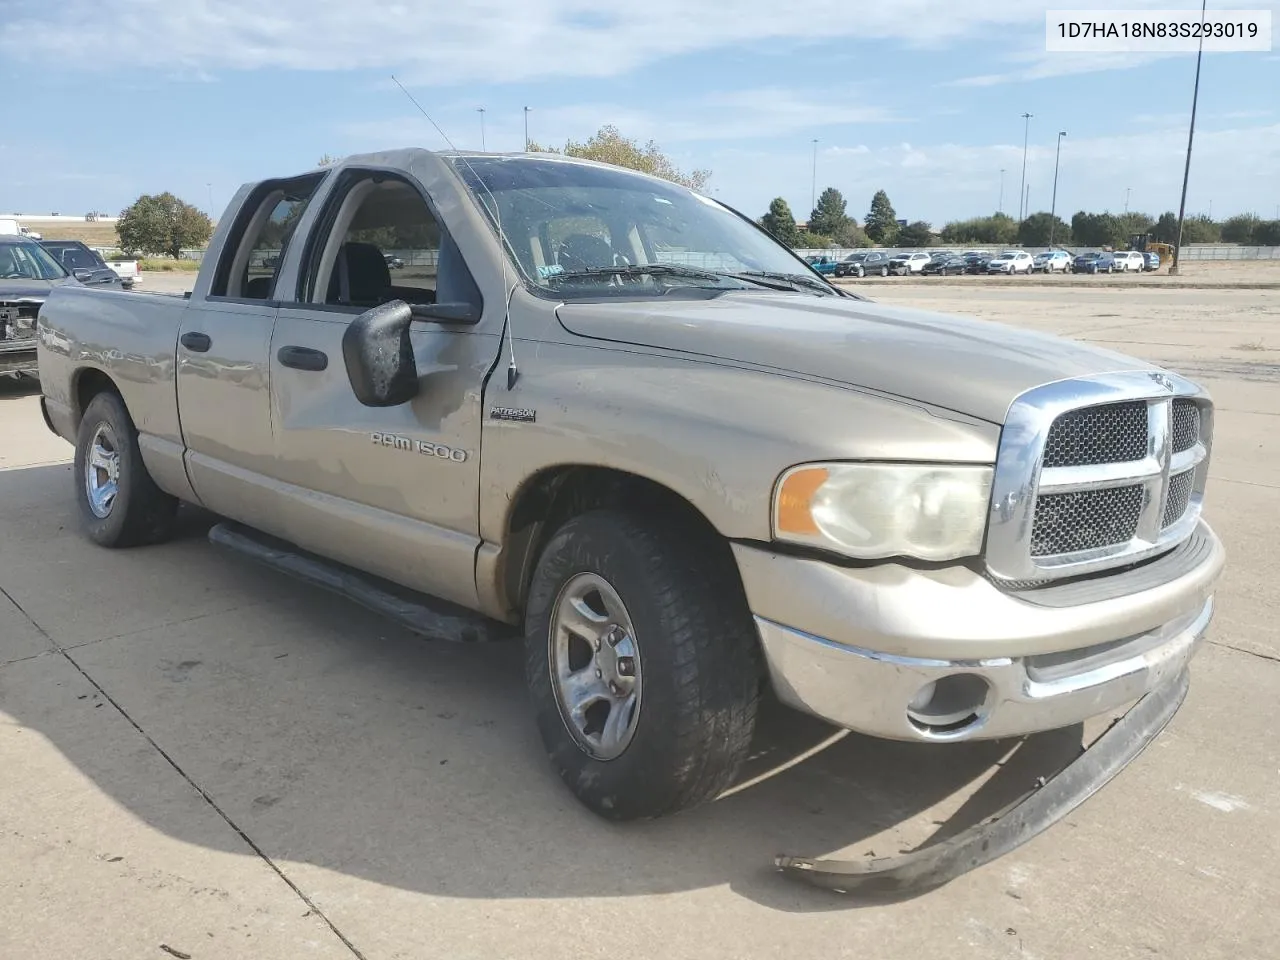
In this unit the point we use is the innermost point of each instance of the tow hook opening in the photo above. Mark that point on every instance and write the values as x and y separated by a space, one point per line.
949 706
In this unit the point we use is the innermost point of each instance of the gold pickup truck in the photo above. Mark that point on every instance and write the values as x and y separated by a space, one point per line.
528 394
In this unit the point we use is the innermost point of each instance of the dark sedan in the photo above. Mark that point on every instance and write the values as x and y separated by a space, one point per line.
946 266
85 264
1096 262
976 262
861 263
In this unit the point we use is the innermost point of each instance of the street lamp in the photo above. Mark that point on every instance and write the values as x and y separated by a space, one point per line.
1026 131
813 189
480 110
1053 206
526 129
1000 209
1191 133
1126 200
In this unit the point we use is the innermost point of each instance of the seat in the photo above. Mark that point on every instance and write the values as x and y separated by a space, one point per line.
581 251
360 276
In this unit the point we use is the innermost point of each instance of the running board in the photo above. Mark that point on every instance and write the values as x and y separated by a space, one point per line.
426 616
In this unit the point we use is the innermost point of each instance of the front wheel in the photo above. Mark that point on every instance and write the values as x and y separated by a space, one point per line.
642 664
120 505
861 273
884 271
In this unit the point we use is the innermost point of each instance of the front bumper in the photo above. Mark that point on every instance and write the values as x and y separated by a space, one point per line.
857 646
932 865
18 356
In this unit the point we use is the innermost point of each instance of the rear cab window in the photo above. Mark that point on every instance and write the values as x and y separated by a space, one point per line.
259 240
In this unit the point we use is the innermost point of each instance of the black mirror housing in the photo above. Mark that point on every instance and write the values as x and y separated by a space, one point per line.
446 312
379 356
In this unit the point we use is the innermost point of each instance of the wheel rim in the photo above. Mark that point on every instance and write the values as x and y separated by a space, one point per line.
595 666
102 471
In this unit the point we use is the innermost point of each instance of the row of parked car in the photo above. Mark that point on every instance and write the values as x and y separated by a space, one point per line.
865 263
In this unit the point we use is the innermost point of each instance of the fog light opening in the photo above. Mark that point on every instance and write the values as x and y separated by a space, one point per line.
949 705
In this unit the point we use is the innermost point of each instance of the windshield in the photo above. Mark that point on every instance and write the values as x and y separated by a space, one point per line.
1008 254
28 261
74 258
855 257
568 224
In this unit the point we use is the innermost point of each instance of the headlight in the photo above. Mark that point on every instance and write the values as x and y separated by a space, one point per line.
875 510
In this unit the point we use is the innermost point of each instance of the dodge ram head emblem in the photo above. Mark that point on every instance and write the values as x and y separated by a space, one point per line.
1163 380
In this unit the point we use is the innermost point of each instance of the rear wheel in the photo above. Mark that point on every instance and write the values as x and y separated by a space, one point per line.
642 664
120 505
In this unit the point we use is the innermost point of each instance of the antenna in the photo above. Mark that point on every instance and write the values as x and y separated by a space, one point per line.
513 371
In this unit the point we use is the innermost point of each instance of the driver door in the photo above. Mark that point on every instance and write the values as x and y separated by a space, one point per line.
392 490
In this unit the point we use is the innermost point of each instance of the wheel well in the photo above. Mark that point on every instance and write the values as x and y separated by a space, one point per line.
551 497
87 385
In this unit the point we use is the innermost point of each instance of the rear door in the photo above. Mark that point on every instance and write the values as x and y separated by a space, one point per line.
390 490
224 399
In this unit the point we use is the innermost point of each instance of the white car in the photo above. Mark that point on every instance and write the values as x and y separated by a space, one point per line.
1011 261
904 263
1130 260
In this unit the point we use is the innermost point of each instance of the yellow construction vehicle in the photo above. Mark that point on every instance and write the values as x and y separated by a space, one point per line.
1142 242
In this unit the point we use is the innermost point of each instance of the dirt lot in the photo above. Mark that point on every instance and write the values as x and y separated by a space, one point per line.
204 755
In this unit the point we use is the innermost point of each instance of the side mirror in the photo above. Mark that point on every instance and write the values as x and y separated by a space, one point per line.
379 356
446 312
82 275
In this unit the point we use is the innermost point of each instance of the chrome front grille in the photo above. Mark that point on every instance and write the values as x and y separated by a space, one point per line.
1085 520
1097 472
1112 433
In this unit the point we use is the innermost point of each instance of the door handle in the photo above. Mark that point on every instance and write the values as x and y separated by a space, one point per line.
199 342
302 358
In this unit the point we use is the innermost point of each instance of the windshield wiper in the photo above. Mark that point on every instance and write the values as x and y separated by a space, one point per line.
813 283
668 270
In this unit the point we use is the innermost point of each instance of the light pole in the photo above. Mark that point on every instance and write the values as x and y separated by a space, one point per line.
526 129
1191 133
1126 200
1026 131
1000 209
1027 208
210 186
1053 206
813 189
480 110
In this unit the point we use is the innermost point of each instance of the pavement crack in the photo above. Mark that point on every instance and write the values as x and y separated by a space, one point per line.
1253 653
1250 483
213 805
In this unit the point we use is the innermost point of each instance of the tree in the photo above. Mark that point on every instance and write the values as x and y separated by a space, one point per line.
918 233
1200 229
881 222
1267 233
1097 230
610 146
1034 231
162 224
999 229
1240 229
1166 228
852 235
829 217
780 222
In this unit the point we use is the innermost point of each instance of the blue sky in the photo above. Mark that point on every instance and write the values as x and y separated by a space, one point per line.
922 98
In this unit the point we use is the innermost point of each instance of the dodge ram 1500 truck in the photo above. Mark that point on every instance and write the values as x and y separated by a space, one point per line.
617 416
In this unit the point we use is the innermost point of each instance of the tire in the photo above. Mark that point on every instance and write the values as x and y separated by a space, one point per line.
884 271
137 511
696 669
861 273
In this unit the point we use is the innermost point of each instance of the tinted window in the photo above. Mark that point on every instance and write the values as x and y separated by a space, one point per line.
28 261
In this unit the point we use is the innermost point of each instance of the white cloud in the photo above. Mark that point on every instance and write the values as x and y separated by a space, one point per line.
476 40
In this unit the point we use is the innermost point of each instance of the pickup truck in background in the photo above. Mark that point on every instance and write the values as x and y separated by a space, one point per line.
126 269
615 416
85 263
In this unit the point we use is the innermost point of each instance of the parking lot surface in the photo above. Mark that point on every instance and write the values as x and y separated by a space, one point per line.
201 755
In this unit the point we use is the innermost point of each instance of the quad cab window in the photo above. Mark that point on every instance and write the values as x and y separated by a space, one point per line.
253 253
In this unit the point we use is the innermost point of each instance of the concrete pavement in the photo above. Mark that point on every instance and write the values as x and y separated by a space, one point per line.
200 754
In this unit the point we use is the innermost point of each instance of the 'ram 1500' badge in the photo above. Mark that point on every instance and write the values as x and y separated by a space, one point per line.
424 447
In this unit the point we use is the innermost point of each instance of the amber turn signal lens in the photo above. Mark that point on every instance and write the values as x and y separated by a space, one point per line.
794 499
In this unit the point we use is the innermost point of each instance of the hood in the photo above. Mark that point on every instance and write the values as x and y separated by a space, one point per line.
971 366
29 289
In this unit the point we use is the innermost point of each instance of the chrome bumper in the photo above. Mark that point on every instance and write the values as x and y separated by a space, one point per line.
873 692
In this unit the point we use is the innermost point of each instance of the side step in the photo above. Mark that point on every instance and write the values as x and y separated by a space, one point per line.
426 616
